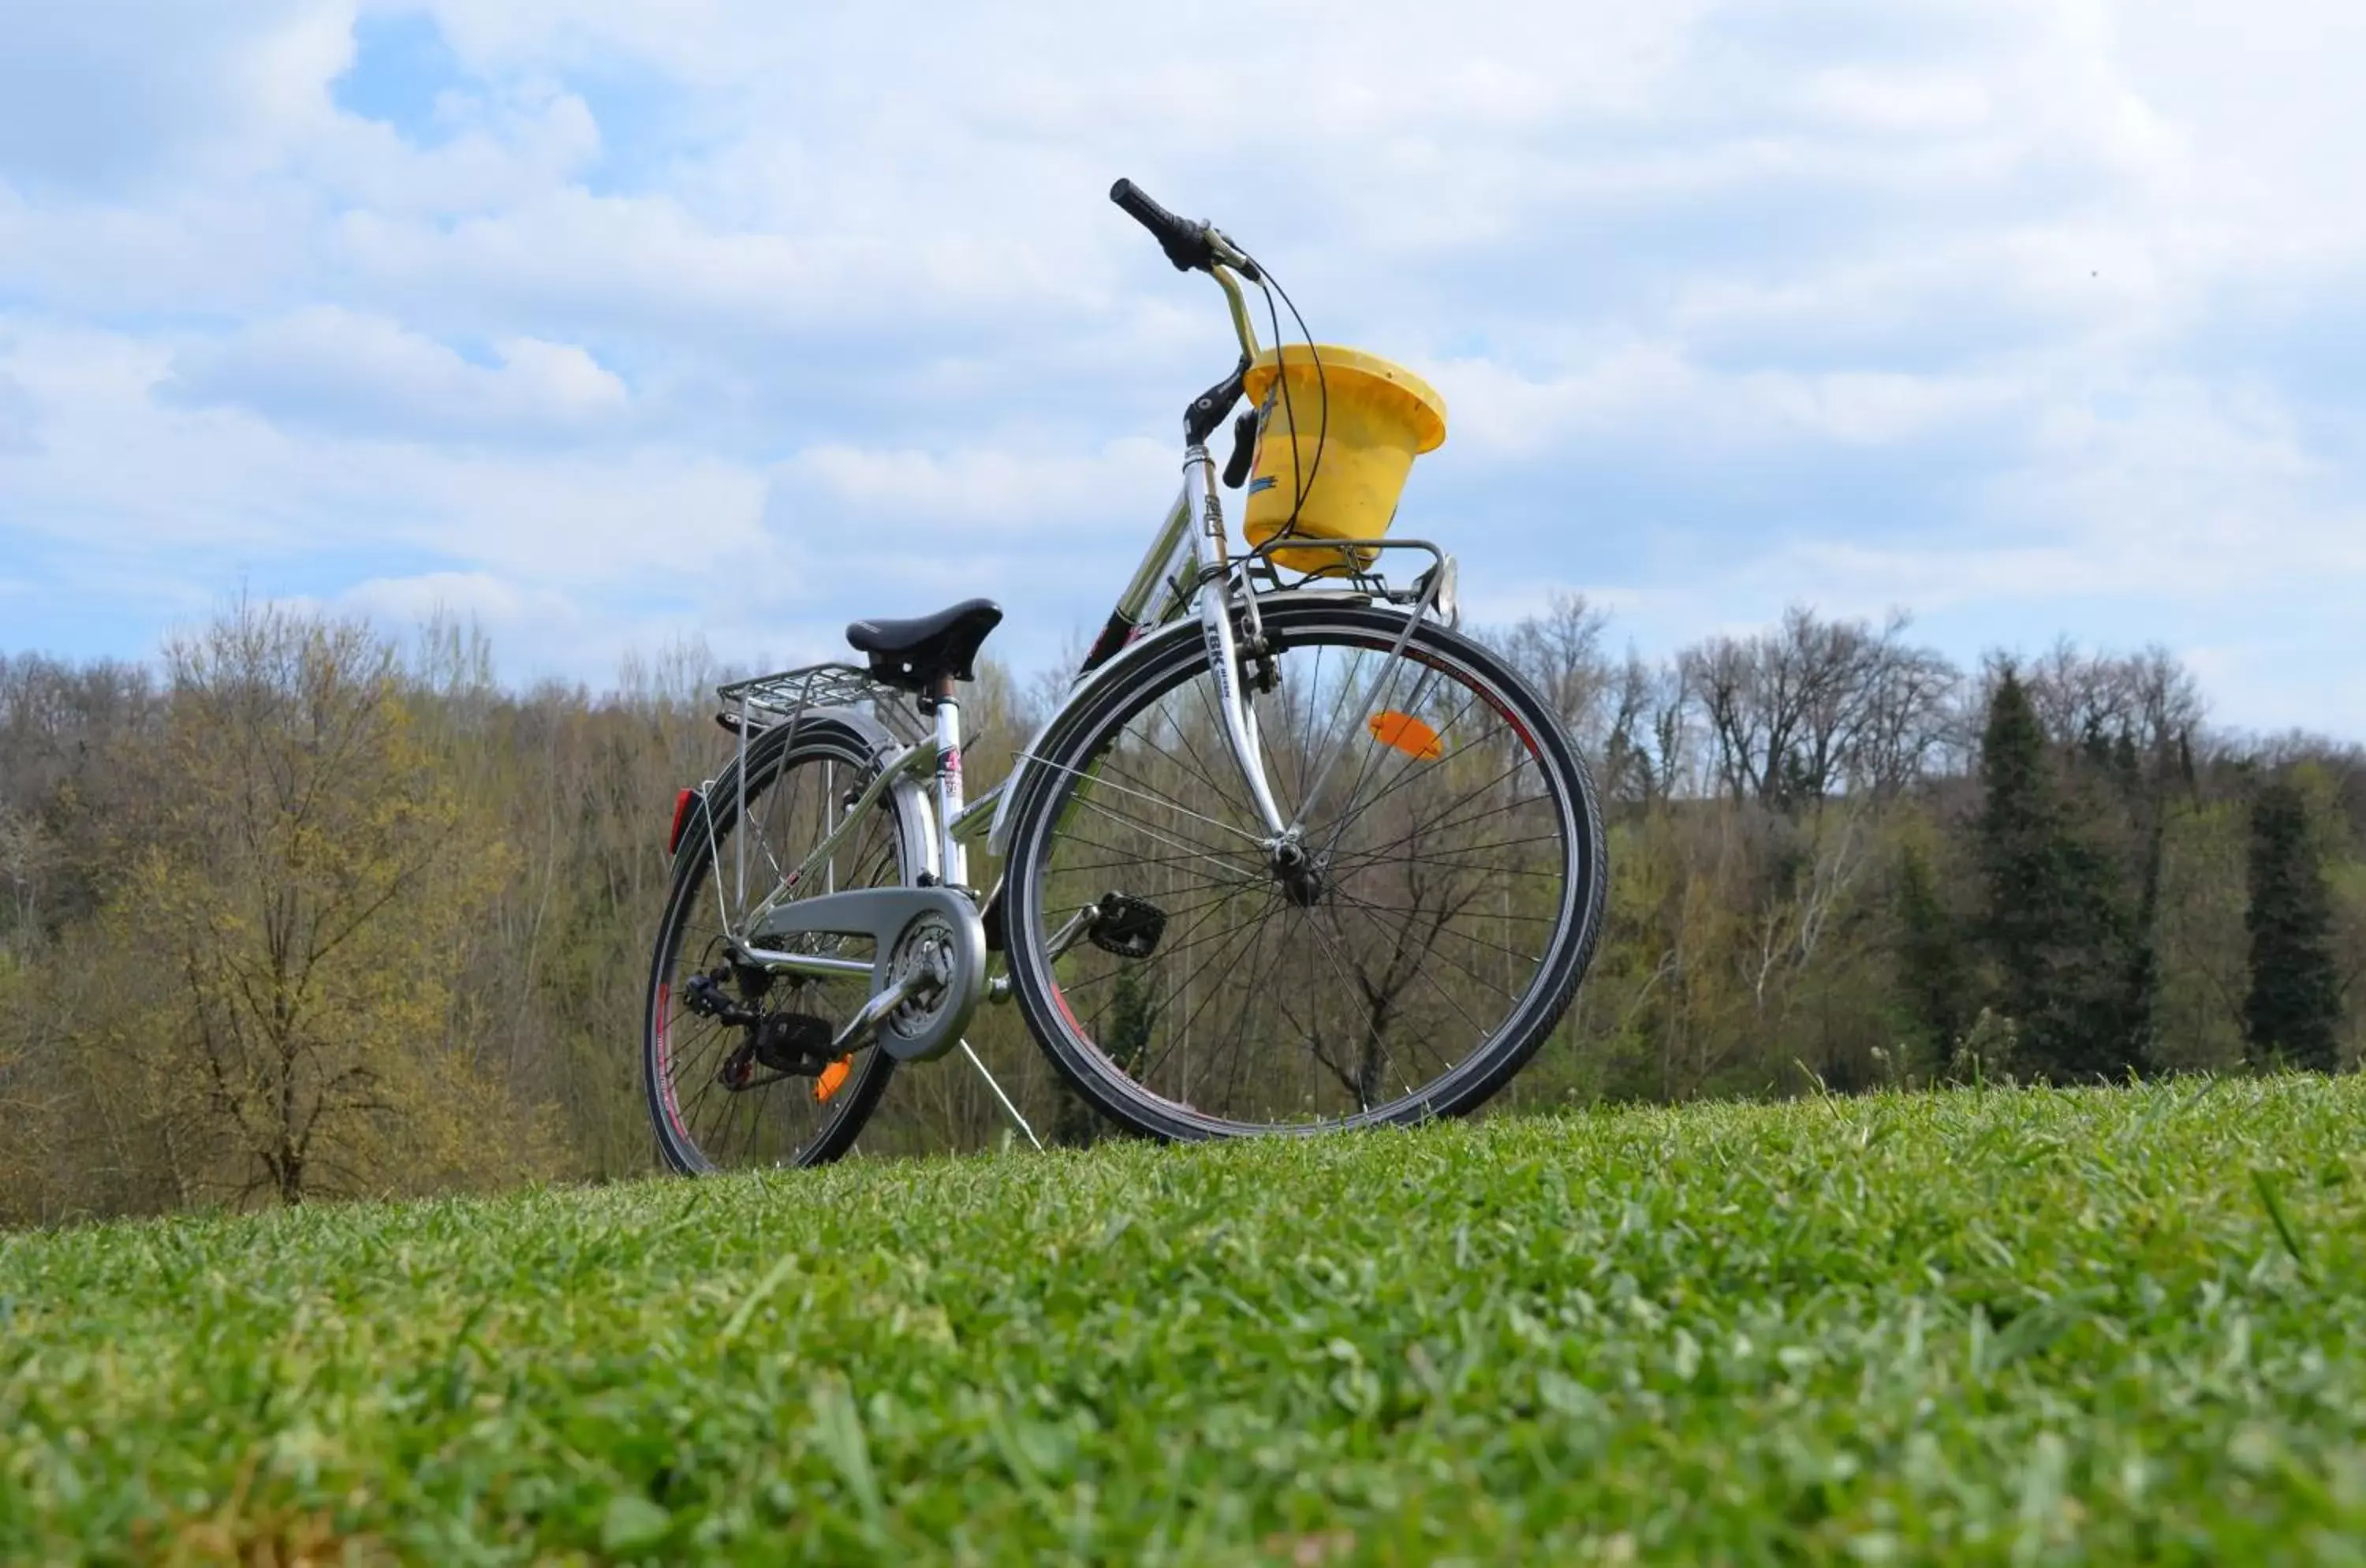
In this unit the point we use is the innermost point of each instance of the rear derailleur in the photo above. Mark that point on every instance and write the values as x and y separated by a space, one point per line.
778 1044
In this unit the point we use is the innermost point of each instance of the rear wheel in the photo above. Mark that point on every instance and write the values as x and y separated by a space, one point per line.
730 1056
1401 960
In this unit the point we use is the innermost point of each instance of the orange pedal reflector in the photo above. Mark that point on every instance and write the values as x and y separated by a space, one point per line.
833 1078
1407 734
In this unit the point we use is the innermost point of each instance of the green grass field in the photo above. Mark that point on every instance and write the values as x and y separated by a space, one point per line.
1988 1326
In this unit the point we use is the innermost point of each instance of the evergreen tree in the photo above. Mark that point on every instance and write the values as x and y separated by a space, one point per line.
1126 1034
2294 1010
2142 793
2144 955
1931 959
2018 850
2056 922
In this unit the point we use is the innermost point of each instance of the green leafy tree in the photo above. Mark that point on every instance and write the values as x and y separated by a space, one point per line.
309 886
2293 1012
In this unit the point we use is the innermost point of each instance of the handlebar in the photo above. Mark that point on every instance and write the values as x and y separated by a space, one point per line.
1192 247
1185 243
1201 247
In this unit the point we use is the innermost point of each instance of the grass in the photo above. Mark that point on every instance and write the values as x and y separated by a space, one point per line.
2004 1326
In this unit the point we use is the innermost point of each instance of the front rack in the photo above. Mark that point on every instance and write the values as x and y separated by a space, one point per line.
1433 590
763 701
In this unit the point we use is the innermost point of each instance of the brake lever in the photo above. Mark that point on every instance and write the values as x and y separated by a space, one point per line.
1231 255
1208 408
1236 466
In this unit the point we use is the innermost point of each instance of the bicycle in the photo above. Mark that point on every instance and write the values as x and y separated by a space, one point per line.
1241 893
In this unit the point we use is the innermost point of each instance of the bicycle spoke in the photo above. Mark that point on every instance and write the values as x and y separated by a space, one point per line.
774 1116
1437 937
1476 1027
1184 1033
1179 811
1166 951
1304 993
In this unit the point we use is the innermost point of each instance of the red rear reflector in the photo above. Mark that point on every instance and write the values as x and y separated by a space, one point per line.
680 815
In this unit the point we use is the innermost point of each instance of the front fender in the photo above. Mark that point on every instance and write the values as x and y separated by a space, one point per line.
1183 629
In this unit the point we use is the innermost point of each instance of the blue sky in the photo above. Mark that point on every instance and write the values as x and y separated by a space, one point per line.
611 322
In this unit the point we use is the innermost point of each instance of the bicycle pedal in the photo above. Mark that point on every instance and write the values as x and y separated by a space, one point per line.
1127 926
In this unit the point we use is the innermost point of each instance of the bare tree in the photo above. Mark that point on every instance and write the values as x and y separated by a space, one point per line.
26 855
1813 707
1560 652
2147 697
1646 752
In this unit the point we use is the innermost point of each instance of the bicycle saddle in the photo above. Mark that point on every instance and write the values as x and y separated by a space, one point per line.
915 654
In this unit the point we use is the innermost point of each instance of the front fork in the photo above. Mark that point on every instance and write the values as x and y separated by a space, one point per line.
1210 554
1195 529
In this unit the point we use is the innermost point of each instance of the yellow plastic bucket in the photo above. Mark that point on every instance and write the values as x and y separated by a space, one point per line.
1381 416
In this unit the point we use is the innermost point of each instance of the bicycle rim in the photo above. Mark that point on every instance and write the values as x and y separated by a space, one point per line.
1440 938
721 1096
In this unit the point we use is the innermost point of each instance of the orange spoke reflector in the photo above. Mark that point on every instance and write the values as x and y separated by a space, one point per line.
833 1078
1407 734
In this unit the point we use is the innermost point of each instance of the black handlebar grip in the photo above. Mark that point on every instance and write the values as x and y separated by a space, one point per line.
1137 204
1185 243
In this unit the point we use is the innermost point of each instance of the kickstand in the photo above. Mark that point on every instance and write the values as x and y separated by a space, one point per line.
1002 1097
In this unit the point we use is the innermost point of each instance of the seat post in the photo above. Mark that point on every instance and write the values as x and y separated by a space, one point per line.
943 701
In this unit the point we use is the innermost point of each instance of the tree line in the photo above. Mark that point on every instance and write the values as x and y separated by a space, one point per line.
313 911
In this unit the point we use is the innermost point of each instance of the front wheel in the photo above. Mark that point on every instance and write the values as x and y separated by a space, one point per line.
1400 959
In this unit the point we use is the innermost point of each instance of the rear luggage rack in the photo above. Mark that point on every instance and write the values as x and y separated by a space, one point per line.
758 704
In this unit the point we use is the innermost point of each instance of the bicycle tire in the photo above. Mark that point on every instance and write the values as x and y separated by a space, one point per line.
770 756
1065 755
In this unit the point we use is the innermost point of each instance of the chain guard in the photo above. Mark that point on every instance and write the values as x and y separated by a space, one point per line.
931 931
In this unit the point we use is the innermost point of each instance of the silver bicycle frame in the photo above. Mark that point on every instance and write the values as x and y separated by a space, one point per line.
1186 568
1189 569
1189 563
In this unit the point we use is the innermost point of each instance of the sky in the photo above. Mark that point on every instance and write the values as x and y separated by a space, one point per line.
611 322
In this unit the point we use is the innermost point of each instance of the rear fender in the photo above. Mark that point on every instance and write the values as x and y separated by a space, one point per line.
913 814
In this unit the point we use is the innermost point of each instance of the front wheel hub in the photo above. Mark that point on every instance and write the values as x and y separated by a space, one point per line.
1302 882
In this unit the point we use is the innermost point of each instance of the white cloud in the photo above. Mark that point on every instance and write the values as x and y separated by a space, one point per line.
756 316
231 483
1508 416
326 368
1029 495
505 150
111 96
17 434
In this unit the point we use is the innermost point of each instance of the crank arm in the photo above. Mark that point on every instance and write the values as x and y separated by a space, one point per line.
859 1028
1078 928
